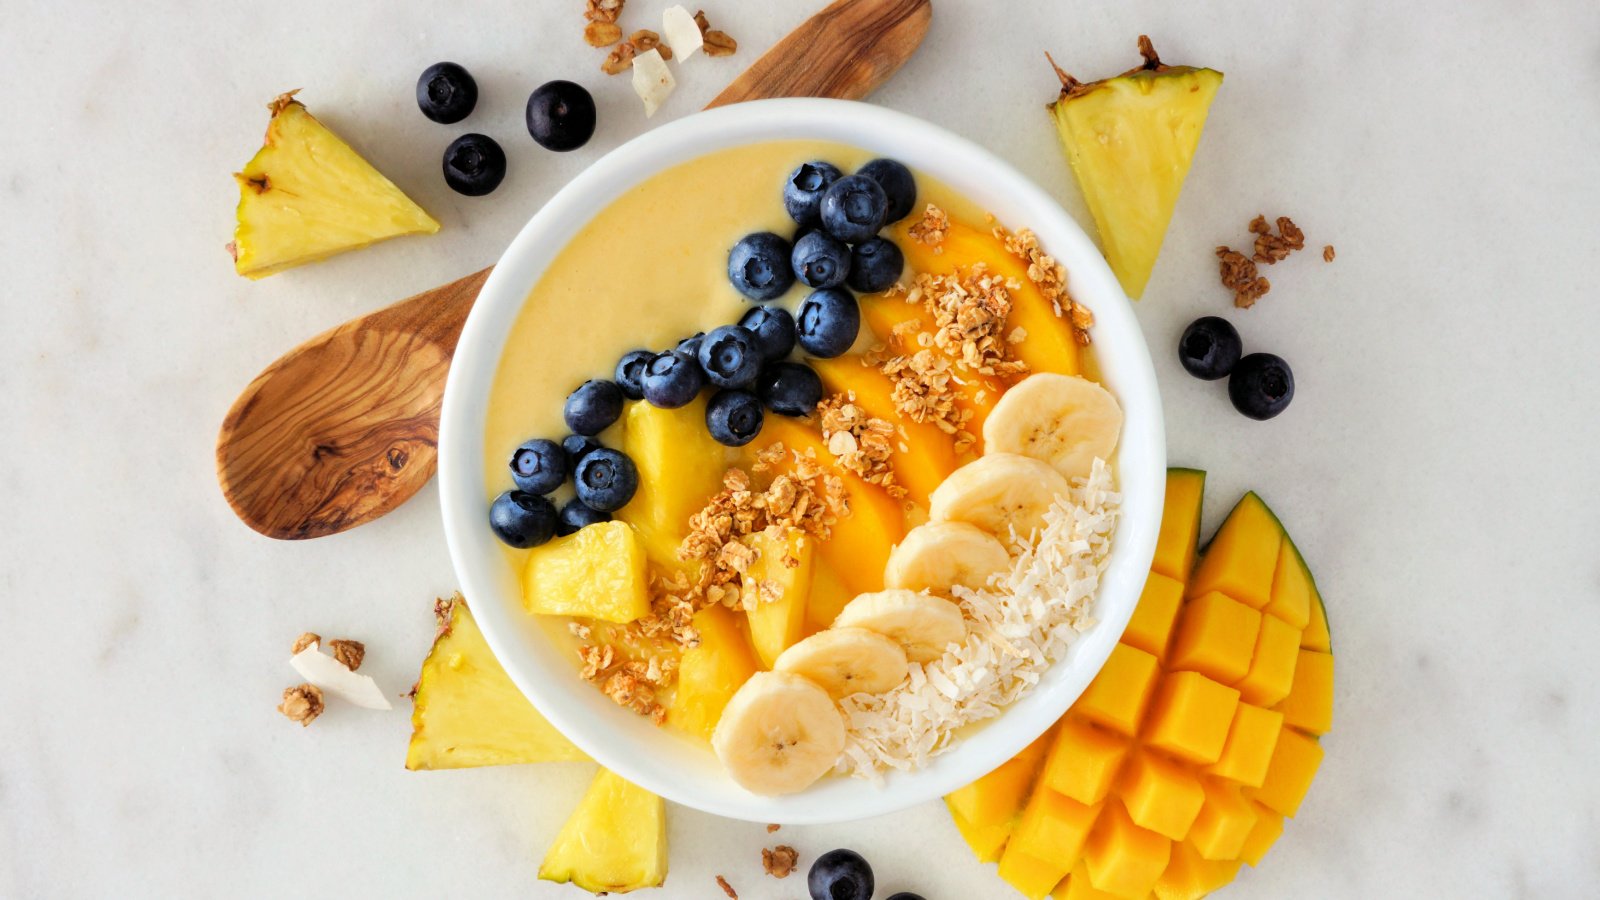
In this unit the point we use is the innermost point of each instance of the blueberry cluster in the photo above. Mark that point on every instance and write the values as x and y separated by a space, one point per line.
603 479
1259 385
560 116
845 875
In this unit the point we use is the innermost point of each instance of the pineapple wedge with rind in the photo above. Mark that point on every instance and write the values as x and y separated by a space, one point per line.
614 842
306 195
468 713
1130 140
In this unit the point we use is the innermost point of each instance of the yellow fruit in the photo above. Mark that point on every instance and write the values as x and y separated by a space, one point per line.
306 195
1130 140
923 456
1197 738
597 573
614 842
709 674
680 467
468 713
777 622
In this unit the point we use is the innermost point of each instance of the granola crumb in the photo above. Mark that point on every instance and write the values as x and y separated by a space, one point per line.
1239 275
727 888
579 630
1274 248
305 640
715 43
644 40
302 703
860 443
1327 253
772 828
620 59
605 11
932 227
779 861
349 653
1049 276
601 34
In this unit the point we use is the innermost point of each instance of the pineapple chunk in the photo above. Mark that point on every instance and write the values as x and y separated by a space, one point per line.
709 674
680 467
1130 140
468 713
615 841
597 573
306 196
777 622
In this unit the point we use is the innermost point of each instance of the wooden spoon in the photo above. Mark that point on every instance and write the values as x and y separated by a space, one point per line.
345 427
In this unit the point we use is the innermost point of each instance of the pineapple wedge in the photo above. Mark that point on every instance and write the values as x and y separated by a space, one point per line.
306 196
1130 140
615 841
467 711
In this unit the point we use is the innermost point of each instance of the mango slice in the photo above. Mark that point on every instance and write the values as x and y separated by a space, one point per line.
710 674
923 455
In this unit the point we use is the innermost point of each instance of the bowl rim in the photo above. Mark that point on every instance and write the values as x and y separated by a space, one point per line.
616 738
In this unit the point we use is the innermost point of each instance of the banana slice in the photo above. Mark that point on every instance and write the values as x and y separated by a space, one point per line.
778 734
922 624
846 661
935 556
1000 493
1063 420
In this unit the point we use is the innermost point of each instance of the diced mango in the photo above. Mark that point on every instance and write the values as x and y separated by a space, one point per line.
1116 698
1151 625
985 840
1083 762
1190 876
1243 557
1034 878
1122 858
1224 822
1316 636
1159 795
1179 537
777 622
1294 764
710 674
597 573
1189 717
1291 588
1053 827
1077 886
1267 830
1216 637
680 467
975 393
996 798
923 456
1309 706
1251 739
1272 664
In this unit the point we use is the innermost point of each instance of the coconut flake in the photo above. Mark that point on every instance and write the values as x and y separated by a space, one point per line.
681 32
333 677
652 80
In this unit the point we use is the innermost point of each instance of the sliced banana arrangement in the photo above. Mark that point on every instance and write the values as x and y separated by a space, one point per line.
937 556
778 734
1004 494
1064 420
921 624
845 661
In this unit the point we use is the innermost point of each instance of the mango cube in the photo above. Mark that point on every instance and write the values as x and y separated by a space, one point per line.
1225 821
1190 716
597 573
1309 706
1316 636
1248 752
1117 696
1160 796
1077 886
1243 557
1083 762
1272 664
1190 876
985 840
1294 764
1053 827
1180 524
996 798
1267 830
1122 858
1151 624
1035 878
1291 588
1216 637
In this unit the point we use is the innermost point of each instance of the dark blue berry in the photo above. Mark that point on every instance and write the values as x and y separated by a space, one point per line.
734 417
560 115
577 447
875 264
790 389
828 322
905 895
630 373
1209 348
774 330
593 406
606 480
575 515
802 193
522 520
1261 386
840 875
672 380
897 183
691 344
446 93
539 466
854 208
759 268
820 261
474 165
730 356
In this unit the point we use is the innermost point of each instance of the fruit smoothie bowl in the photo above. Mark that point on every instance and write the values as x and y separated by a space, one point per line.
734 571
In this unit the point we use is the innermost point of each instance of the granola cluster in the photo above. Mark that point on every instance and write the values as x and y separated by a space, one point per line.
931 228
602 30
620 59
1239 273
630 683
1050 277
861 444
302 703
780 860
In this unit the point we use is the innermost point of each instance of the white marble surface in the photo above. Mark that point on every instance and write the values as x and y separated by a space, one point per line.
1437 465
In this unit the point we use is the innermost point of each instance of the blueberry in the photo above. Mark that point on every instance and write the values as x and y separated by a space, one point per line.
606 480
539 466
790 389
905 895
474 165
630 373
854 208
730 356
593 406
875 263
575 515
734 417
840 875
578 446
522 520
758 266
672 380
897 183
819 261
691 344
446 93
1261 386
802 193
560 115
828 322
774 330
1209 348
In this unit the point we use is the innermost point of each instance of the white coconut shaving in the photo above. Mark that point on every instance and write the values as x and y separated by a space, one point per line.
336 678
1017 627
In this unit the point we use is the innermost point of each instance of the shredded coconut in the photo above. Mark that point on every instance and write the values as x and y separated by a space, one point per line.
1018 626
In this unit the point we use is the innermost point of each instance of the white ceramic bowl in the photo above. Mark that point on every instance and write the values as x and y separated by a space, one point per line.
658 759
